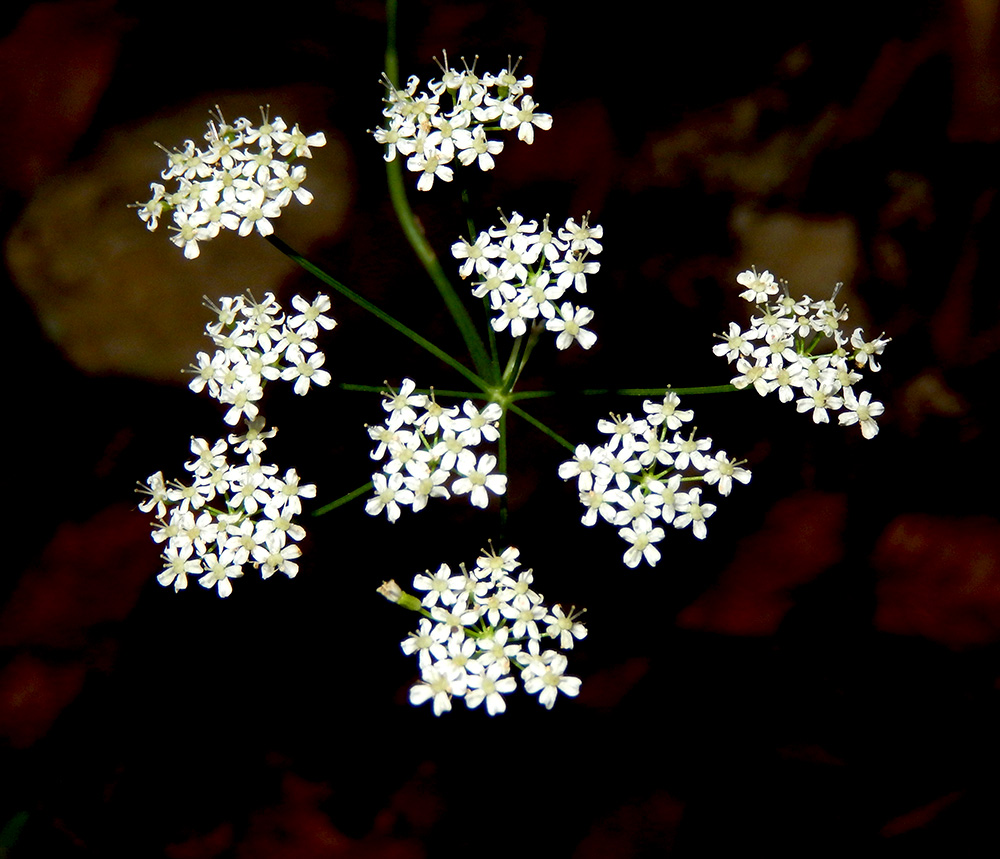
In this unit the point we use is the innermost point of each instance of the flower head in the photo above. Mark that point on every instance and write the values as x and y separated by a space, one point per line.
429 451
240 181
526 273
633 481
486 628
798 348
433 137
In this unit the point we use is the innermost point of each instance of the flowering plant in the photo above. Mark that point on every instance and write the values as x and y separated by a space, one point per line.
480 629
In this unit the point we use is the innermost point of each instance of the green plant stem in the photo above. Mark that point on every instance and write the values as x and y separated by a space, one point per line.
350 496
514 363
624 392
391 54
414 232
491 336
533 337
428 259
348 293
537 424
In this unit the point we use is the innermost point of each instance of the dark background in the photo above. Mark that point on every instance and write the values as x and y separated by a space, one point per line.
816 677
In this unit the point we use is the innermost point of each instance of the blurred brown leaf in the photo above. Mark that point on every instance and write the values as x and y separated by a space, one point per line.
90 573
800 538
940 578
32 694
55 66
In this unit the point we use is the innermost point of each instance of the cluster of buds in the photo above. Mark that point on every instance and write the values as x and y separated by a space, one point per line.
431 136
481 627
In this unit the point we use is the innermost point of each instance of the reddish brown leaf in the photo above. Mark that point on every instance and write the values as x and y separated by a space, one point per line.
33 693
90 573
800 539
940 578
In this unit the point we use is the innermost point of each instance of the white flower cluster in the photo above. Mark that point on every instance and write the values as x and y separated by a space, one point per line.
425 445
479 628
240 181
778 352
634 479
526 271
255 528
256 343
431 135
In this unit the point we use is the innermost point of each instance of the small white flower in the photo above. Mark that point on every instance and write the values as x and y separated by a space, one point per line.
188 233
734 344
817 399
867 351
311 316
473 146
476 425
693 513
442 586
720 470
667 412
758 286
861 410
565 626
570 324
389 494
642 540
401 406
477 478
582 237
477 255
178 565
489 683
221 569
582 466
305 371
551 681
573 270
430 166
524 119
435 686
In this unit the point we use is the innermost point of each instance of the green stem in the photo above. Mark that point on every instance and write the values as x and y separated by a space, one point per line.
350 496
350 294
414 232
491 336
537 424
533 336
513 363
391 55
425 253
625 392
467 209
